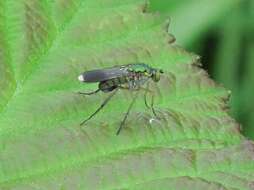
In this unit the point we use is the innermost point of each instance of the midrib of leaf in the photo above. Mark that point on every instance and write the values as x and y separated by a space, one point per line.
5 59
146 30
36 62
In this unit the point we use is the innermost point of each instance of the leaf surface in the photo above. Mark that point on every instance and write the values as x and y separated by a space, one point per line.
45 45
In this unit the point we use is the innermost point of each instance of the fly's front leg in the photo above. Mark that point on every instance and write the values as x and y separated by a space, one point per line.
153 110
145 95
147 90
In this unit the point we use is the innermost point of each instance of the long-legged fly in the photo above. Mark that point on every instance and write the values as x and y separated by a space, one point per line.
130 77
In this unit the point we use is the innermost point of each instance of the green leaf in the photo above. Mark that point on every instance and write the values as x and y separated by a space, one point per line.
228 57
235 55
192 19
46 44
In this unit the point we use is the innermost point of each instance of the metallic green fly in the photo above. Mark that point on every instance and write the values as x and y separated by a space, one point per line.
130 77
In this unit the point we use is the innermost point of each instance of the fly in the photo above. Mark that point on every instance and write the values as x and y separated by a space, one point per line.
129 77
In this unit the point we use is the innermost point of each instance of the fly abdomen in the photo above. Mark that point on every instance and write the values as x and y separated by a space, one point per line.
109 85
106 87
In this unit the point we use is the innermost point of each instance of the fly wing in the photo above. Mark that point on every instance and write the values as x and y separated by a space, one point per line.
103 74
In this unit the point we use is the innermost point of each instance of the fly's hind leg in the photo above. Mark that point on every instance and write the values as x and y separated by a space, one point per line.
101 106
89 93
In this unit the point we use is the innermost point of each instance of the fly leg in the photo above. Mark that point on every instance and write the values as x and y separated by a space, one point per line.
101 106
89 93
153 110
127 113
152 101
145 95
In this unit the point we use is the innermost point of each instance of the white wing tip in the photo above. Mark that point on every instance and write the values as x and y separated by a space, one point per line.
81 78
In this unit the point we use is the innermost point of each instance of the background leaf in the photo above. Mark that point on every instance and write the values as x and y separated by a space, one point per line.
221 32
192 19
47 44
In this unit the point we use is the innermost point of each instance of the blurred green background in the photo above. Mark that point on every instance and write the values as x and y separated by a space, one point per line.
222 33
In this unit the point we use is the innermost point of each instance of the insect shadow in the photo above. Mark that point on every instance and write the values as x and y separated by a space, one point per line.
128 77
